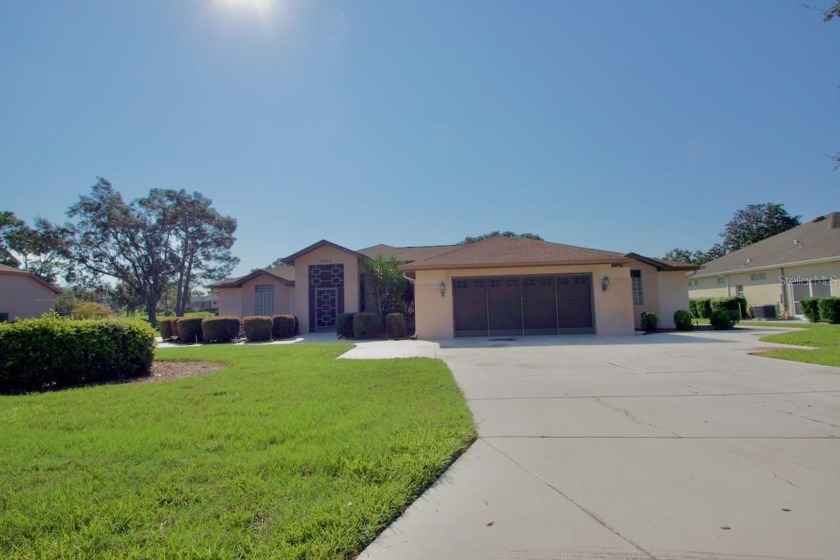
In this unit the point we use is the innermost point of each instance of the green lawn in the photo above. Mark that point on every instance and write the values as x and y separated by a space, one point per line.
824 338
286 453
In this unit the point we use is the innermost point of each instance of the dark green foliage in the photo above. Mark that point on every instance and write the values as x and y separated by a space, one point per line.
701 308
650 321
188 329
395 325
38 354
476 239
258 328
284 326
721 319
167 328
366 325
736 306
344 325
829 309
811 308
220 329
682 320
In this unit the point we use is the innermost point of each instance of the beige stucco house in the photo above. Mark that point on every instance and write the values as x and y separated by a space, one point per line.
774 274
22 294
497 287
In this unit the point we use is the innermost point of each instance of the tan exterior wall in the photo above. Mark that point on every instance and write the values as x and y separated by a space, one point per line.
673 296
613 309
650 293
240 301
325 255
22 297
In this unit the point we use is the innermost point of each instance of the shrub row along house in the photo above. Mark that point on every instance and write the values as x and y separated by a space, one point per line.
775 274
500 286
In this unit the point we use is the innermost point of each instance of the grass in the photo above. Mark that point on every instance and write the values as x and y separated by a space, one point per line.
823 338
286 453
754 323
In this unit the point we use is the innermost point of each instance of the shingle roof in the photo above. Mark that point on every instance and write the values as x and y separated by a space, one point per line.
5 269
407 254
663 264
515 252
283 272
322 243
815 240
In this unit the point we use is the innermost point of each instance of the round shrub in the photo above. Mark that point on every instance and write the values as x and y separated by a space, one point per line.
650 321
366 325
722 319
220 329
257 328
682 320
166 328
395 325
284 326
811 308
344 325
51 352
91 310
829 309
188 329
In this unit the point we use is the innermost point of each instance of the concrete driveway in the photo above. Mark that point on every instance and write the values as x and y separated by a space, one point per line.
662 446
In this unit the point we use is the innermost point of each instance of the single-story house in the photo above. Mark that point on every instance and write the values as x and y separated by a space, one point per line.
776 273
23 294
204 303
498 286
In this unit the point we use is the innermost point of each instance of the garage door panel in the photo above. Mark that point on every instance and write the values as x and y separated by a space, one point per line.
574 288
505 318
471 317
574 314
539 317
503 290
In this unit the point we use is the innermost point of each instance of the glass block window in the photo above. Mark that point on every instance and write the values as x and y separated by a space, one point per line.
264 299
638 292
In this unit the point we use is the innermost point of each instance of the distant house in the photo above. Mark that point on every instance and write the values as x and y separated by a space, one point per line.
204 303
498 286
22 294
776 273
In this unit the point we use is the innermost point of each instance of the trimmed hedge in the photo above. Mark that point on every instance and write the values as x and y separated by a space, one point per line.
167 328
344 325
188 329
722 319
650 321
811 308
395 325
258 328
220 329
38 354
701 308
366 325
284 326
682 320
737 306
829 309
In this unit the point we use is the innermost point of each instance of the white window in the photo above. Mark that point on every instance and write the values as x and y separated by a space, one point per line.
264 299
638 293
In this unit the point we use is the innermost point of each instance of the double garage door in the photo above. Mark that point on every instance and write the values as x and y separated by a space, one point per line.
523 305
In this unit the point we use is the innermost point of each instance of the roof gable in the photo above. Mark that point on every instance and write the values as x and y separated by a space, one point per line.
814 240
663 265
10 270
513 252
290 260
284 273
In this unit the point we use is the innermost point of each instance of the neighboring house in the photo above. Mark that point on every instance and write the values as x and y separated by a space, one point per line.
776 273
496 287
204 303
22 294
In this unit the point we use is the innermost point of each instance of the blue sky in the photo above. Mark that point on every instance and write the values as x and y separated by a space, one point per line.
628 126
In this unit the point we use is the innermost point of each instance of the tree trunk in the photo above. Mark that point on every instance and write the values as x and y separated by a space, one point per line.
151 311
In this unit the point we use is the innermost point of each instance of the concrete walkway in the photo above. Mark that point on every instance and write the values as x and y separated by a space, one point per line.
664 446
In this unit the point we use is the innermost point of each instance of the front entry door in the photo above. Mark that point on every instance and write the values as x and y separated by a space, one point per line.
326 296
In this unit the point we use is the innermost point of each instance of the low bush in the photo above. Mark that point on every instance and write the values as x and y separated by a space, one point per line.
258 328
344 325
91 310
722 319
650 321
167 328
366 325
682 320
188 329
37 354
220 329
829 309
811 308
283 326
395 325
736 306
701 307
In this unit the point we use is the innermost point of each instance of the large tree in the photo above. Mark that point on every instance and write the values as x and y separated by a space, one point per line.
42 250
168 238
747 226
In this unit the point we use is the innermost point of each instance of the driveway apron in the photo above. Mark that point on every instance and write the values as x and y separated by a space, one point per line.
669 446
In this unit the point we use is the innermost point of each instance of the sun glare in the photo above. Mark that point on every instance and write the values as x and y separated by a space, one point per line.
263 8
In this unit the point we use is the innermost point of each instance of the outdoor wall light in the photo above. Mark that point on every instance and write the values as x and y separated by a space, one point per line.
442 288
605 283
